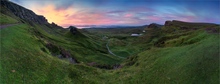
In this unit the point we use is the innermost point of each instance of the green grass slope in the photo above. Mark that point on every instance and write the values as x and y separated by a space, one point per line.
23 61
179 56
6 19
79 46
25 58
172 54
21 57
194 63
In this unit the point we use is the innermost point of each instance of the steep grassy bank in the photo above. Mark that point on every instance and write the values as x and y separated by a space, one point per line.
26 58
6 19
22 60
79 46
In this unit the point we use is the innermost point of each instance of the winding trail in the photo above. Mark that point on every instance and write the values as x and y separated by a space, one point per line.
111 51
7 25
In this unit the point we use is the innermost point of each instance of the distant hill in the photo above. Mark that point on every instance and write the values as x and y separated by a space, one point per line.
114 31
104 26
188 24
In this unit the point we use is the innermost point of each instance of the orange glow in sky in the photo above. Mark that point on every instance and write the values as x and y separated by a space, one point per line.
118 12
58 16
71 16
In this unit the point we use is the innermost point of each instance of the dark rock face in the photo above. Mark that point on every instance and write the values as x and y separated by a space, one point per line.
72 60
54 24
105 66
60 52
23 13
65 53
117 66
73 30
52 48
168 23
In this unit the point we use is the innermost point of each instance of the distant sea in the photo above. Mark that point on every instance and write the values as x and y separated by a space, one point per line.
106 26
82 27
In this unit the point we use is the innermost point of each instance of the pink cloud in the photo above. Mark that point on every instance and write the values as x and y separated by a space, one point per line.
83 18
154 18
128 15
71 16
52 14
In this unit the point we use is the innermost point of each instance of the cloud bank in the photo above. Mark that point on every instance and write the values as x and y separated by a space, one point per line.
123 12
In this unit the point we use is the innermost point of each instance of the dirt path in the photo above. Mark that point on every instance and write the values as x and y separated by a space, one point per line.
7 25
111 51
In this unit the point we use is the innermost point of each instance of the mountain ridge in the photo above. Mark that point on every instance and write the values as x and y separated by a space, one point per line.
23 13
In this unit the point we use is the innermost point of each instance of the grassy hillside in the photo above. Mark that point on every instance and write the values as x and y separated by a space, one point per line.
120 41
75 44
184 53
6 19
26 59
183 56
194 63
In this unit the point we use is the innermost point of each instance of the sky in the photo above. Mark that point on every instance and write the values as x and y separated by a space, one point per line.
123 12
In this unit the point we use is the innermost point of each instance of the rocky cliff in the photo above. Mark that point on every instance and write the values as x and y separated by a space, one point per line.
22 12
73 30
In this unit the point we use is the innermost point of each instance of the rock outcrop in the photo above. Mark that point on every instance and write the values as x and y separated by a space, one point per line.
168 23
54 25
23 13
73 30
64 53
154 25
